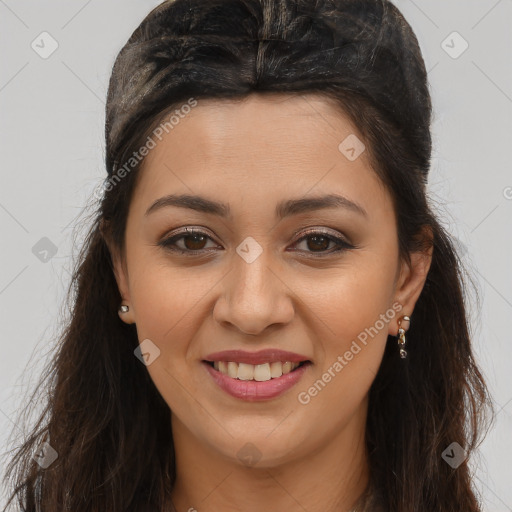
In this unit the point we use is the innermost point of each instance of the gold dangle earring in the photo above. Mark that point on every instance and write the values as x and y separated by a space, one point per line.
403 325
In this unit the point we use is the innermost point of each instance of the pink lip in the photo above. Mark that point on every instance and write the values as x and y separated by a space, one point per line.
268 355
253 391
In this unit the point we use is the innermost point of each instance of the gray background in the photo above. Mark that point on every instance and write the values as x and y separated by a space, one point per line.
52 112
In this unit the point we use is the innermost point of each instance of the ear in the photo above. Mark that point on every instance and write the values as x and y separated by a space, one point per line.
120 272
412 277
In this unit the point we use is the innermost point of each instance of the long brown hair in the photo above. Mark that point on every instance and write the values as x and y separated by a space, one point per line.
103 416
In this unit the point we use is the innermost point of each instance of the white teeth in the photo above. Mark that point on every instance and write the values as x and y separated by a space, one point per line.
258 372
245 371
232 370
276 369
287 367
262 372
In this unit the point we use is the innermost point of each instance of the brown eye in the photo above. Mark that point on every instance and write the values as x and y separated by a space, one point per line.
318 242
193 241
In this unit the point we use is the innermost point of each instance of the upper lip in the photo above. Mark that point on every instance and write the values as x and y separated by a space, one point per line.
268 355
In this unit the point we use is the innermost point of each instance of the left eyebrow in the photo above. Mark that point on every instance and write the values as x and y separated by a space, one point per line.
308 204
283 209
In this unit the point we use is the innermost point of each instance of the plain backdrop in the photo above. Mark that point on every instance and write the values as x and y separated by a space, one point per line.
52 150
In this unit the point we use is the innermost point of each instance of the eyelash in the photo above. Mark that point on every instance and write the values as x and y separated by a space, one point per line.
167 243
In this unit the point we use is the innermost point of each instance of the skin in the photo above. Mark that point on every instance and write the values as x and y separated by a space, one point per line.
252 154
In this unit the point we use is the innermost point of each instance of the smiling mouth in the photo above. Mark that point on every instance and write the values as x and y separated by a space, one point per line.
257 372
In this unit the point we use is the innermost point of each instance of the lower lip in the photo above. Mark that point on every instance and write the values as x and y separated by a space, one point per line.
254 391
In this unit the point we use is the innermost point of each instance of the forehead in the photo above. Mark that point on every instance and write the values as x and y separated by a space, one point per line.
262 144
283 123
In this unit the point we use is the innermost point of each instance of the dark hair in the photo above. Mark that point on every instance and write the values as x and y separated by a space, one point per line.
104 417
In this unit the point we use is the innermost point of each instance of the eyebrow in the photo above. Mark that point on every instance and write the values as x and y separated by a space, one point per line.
283 209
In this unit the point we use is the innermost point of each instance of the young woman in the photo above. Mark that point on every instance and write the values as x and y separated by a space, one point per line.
267 315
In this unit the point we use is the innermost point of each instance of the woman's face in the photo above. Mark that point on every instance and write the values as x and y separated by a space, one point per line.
265 274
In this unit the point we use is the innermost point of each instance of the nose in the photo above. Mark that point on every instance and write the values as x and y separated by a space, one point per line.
254 297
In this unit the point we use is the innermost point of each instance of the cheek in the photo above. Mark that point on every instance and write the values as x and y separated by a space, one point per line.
354 310
164 300
351 299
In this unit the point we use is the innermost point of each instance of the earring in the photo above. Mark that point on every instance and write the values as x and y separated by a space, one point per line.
403 325
123 308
